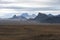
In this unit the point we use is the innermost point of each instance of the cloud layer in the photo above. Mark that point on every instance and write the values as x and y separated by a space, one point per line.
19 6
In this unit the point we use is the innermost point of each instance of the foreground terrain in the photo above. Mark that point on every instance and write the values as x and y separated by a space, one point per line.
29 32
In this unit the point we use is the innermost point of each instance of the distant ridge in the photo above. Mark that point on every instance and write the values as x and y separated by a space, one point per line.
43 18
40 18
24 16
18 17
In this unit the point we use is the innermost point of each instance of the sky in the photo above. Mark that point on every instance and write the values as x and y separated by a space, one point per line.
8 8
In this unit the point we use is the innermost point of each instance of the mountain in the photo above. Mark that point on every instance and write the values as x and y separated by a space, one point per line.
26 15
32 16
50 15
55 19
18 17
41 17
14 16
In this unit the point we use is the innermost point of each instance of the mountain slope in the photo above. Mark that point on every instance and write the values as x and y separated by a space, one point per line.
18 17
43 18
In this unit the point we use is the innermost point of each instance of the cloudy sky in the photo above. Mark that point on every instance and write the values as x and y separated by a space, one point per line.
11 7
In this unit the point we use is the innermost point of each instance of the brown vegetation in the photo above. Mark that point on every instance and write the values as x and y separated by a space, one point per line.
29 32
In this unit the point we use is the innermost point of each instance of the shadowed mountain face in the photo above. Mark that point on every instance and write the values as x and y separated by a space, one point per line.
43 18
55 19
50 15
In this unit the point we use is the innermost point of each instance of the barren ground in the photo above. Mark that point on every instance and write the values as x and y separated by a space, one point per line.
29 32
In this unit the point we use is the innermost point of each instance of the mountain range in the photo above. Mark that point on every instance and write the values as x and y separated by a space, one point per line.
24 16
40 18
43 18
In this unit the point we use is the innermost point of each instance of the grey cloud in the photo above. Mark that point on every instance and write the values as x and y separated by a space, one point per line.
32 9
54 3
3 2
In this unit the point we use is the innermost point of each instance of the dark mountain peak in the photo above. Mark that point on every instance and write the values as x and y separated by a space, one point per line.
43 18
40 17
14 16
